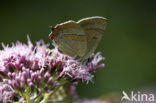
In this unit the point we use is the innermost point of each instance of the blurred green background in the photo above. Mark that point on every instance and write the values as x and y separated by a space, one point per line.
129 43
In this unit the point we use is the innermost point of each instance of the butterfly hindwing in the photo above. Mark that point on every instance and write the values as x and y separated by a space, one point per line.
94 29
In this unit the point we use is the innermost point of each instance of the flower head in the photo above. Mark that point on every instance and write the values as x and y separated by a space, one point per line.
6 93
36 68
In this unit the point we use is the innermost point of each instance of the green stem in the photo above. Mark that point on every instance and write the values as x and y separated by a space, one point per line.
27 95
46 98
38 98
48 95
28 99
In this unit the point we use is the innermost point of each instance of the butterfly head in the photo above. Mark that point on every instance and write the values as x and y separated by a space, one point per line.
52 35
55 33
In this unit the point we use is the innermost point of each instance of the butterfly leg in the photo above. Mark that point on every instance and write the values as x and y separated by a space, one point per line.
76 58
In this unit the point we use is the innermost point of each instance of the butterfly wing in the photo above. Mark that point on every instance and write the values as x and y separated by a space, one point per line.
94 29
71 39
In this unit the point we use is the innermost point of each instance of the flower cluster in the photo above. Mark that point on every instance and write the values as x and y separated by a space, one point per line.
6 93
31 71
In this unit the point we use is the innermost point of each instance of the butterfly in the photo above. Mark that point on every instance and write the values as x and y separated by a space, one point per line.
79 39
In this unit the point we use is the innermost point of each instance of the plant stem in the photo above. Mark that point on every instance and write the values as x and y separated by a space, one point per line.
38 98
27 95
28 99
48 95
46 98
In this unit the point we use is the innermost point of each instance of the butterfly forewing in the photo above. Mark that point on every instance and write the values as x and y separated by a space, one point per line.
72 39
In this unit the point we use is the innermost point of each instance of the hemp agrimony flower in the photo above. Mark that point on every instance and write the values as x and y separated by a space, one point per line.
34 73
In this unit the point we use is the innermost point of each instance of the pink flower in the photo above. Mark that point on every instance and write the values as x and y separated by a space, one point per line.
41 69
6 93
